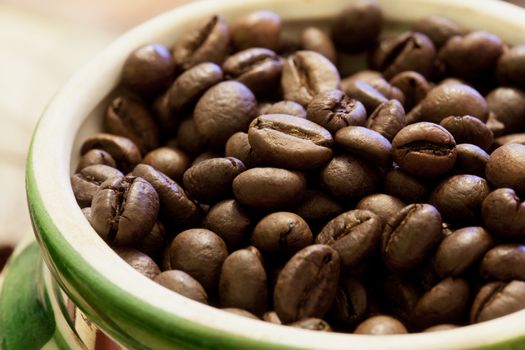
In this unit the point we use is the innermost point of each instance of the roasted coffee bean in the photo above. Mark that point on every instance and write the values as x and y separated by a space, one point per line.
508 106
510 68
238 146
440 327
468 129
413 85
504 214
200 253
290 142
175 206
124 210
461 250
314 39
211 179
424 149
401 296
189 140
312 324
191 84
408 51
269 188
223 110
241 312
281 234
167 121
317 206
456 55
376 80
306 74
243 282
168 160
123 150
439 29
205 156
357 27
182 283
497 299
383 205
148 70
209 42
511 138
458 198
495 125
366 144
154 242
334 110
257 68
444 303
130 118
286 107
409 189
350 304
387 119
307 284
87 181
471 159
94 157
504 262
410 237
448 99
230 221
271 316
355 235
506 167
139 261
257 29
380 325
363 92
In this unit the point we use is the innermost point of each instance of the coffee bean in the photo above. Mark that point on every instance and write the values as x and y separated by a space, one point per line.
240 312
154 242
413 85
366 144
510 69
504 262
230 221
407 51
123 150
167 121
175 206
307 74
439 29
191 84
506 167
148 70
508 106
351 302
495 125
124 209
271 316
290 142
314 39
440 327
130 118
282 234
410 237
238 146
209 42
307 284
312 324
334 110
317 206
257 29
504 214
139 261
269 188
376 80
87 181
401 296
94 157
355 235
387 119
357 26
380 325
189 140
257 68
497 299
200 253
383 205
444 303
461 250
468 129
349 178
286 107
364 93
168 160
409 189
182 283
458 198
424 149
471 159
511 138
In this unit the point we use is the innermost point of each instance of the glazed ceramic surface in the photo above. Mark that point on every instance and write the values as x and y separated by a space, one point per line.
132 309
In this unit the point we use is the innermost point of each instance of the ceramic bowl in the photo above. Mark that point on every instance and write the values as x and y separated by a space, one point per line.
132 310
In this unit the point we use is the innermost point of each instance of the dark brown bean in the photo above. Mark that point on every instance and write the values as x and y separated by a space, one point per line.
497 299
383 205
510 68
508 106
363 92
438 28
366 144
351 302
182 283
413 85
504 262
94 157
87 181
471 159
468 129
257 29
506 167
286 107
230 221
409 189
314 39
139 261
168 160
123 150
380 325
387 119
504 214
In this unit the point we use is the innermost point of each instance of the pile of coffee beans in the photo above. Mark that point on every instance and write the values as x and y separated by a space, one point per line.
256 172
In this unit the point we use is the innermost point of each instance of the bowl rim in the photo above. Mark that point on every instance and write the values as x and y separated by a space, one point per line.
155 315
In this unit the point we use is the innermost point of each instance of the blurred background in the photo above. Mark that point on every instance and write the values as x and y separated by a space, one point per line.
43 43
